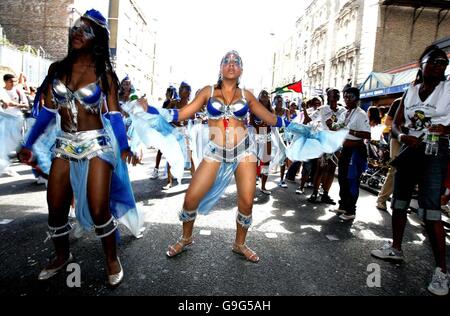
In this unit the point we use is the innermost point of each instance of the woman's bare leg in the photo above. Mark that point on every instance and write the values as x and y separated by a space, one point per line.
59 197
201 183
98 194
245 181
158 159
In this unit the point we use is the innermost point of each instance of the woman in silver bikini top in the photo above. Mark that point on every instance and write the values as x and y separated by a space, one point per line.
76 87
226 115
90 98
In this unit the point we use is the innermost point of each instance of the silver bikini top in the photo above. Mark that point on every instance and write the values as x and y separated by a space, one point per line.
90 97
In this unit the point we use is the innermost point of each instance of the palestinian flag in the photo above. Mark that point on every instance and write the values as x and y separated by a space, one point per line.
292 87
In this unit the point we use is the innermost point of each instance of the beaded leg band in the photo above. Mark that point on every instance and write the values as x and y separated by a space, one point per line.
106 229
244 220
55 232
187 216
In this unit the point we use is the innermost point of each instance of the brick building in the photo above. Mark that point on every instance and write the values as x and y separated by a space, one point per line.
39 23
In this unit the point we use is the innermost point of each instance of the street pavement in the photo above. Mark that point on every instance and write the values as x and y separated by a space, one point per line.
305 249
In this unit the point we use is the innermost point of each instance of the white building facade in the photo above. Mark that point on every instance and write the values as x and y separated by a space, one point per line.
327 45
133 44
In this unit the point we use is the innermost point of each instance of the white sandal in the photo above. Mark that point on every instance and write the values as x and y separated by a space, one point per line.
245 251
183 243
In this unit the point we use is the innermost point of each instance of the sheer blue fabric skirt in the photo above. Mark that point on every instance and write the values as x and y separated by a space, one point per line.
154 131
79 148
309 143
229 159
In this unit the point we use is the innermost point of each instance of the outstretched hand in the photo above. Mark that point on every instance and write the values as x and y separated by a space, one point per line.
142 101
25 155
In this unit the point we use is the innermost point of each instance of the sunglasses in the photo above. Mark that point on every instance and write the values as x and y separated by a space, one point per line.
232 59
81 26
436 61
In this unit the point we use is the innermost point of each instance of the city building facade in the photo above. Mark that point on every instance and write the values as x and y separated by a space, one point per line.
336 42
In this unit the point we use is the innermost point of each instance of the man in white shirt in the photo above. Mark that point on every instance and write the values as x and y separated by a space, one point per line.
16 95
353 158
5 101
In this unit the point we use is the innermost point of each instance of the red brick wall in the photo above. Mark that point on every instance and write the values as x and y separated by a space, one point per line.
394 44
37 23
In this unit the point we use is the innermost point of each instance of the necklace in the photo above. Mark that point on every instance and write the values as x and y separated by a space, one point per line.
225 100
226 118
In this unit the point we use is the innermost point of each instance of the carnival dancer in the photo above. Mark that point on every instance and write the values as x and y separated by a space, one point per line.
328 115
90 151
171 94
230 151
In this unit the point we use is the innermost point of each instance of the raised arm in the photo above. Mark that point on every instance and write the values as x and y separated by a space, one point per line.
186 112
307 118
189 110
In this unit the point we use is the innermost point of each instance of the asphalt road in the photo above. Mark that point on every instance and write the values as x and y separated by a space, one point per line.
305 249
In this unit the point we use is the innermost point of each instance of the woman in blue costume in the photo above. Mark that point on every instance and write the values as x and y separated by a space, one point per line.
263 137
89 151
229 152
171 94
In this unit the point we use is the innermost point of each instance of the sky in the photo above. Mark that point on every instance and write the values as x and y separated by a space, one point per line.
195 34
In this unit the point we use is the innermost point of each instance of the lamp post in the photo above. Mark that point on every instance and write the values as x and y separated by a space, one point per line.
274 59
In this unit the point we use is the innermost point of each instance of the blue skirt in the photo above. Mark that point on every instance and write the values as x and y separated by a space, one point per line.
101 144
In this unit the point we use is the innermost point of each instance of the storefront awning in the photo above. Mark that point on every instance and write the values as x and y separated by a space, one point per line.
380 84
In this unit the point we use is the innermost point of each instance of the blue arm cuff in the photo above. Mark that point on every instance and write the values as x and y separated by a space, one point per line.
119 130
175 115
279 122
44 118
152 110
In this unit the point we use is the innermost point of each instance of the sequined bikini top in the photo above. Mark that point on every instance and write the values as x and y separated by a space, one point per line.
90 97
217 110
